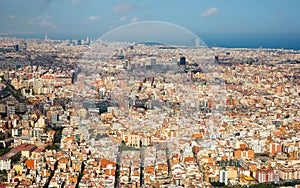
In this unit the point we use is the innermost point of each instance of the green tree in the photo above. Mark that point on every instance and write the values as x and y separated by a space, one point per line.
52 147
16 158
4 151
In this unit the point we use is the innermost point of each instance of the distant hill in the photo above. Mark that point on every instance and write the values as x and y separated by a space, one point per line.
151 43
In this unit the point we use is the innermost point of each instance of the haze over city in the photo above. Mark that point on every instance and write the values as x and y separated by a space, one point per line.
231 23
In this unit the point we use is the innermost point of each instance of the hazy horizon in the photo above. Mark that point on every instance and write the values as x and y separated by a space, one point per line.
220 40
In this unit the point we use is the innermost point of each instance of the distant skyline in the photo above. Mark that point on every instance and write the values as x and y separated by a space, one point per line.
206 18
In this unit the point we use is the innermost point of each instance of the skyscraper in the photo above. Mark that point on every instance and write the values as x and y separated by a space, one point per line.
197 42
46 37
88 41
17 48
182 60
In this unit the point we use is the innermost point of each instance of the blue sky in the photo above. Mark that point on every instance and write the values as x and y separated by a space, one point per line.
206 17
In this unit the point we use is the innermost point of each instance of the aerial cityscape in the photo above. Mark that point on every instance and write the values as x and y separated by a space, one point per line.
97 94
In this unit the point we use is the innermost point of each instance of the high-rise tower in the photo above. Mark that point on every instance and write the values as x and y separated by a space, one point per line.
197 42
46 37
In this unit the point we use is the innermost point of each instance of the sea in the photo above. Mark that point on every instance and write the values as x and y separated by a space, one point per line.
285 41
